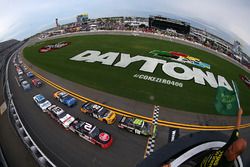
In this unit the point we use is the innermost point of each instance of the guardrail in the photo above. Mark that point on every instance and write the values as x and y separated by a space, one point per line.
38 155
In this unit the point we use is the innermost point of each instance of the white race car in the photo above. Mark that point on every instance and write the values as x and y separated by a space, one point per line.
60 116
66 120
41 102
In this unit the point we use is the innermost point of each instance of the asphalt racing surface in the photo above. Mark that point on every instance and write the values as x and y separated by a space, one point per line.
67 149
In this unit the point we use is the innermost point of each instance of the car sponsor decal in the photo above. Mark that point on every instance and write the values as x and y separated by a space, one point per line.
104 136
67 119
52 47
138 122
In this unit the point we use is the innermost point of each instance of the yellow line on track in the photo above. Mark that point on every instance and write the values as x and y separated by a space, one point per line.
147 119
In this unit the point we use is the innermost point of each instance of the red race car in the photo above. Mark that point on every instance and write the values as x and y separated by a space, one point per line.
36 82
91 133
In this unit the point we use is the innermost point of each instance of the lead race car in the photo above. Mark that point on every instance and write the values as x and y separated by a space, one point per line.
137 126
65 98
91 133
99 112
60 116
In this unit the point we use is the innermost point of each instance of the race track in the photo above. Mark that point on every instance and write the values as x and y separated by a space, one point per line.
67 149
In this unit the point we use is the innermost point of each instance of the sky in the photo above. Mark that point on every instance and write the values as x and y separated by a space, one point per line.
228 19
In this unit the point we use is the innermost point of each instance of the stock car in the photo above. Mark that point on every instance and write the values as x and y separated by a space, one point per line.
41 102
25 85
19 71
99 112
137 126
91 133
60 116
20 78
30 74
24 68
65 98
36 82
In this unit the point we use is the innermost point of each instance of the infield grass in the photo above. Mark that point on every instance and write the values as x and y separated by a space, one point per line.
191 97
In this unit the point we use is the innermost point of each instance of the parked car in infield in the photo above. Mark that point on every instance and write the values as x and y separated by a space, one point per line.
36 82
65 98
41 102
60 116
246 80
30 74
137 126
91 133
99 112
25 85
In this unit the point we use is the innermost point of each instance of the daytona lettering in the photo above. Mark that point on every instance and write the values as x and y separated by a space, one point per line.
150 64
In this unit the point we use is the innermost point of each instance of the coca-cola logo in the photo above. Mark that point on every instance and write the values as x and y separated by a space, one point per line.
104 136
52 47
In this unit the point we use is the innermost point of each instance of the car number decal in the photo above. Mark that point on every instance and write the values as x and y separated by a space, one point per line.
88 127
104 136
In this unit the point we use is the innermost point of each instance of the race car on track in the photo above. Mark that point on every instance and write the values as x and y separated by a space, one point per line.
41 102
99 112
65 98
20 79
91 133
30 74
25 85
19 71
36 82
24 68
60 116
137 126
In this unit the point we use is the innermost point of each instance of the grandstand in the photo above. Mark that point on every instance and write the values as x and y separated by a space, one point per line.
158 25
164 23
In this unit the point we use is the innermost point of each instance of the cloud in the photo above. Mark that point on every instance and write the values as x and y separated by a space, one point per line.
230 16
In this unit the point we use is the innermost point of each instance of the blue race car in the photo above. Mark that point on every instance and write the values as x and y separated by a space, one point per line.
65 98
30 74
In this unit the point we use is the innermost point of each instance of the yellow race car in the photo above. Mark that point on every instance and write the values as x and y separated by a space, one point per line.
99 112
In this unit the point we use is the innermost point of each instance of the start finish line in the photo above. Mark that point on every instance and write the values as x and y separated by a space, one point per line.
150 64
